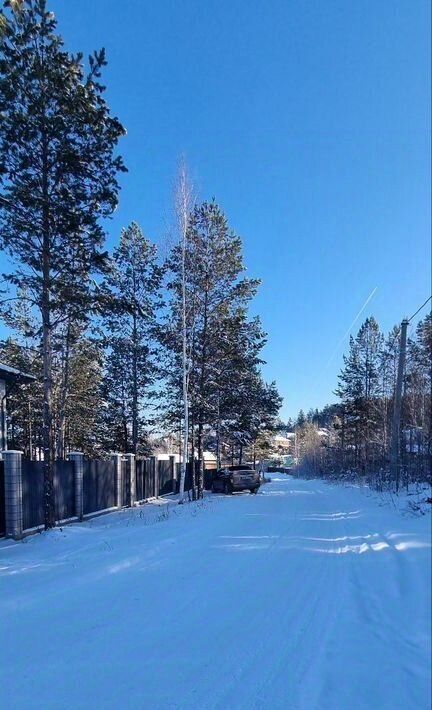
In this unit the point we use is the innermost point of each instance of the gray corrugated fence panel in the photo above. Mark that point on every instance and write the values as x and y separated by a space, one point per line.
89 486
141 474
165 478
64 489
32 493
126 491
149 488
2 501
99 485
106 484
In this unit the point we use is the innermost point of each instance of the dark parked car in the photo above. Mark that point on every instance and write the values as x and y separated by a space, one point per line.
236 478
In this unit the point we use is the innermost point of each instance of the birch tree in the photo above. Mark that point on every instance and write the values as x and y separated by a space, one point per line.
184 200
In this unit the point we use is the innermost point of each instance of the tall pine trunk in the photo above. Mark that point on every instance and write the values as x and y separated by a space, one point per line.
201 397
61 433
134 384
218 446
30 430
49 517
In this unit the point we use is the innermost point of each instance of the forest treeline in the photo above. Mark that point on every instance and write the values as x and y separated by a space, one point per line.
116 370
122 344
352 438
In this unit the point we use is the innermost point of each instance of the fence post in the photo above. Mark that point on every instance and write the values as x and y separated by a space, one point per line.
13 493
132 474
173 473
78 460
117 458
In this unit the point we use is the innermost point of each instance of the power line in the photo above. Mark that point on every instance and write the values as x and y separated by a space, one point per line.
372 293
419 309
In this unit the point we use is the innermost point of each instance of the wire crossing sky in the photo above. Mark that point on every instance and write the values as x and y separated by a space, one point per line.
309 122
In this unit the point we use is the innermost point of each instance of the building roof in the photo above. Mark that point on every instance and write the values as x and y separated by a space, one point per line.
10 374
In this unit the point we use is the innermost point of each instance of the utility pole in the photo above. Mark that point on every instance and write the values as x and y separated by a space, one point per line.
395 437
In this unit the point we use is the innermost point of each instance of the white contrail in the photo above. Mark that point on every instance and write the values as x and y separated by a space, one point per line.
352 324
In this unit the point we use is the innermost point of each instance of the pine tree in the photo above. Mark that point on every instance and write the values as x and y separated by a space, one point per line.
84 402
58 177
301 418
255 408
359 390
216 295
215 263
360 425
416 402
133 285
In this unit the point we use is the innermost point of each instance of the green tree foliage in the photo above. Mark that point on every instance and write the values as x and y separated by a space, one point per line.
359 389
58 177
301 418
24 400
357 433
85 324
223 344
133 289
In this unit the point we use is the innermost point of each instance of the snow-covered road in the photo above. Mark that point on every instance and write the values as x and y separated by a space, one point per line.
306 596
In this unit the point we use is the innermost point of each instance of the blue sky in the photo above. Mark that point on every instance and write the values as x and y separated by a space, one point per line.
309 122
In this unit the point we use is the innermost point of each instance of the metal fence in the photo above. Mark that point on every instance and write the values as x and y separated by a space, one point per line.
165 477
145 479
32 473
84 487
155 478
99 485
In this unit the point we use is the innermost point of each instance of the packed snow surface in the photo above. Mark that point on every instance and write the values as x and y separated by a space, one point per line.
305 596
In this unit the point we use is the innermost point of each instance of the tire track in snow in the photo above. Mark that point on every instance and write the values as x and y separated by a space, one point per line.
299 627
311 634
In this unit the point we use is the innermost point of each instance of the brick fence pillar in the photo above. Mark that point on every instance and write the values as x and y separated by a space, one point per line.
78 460
117 458
173 473
132 473
13 493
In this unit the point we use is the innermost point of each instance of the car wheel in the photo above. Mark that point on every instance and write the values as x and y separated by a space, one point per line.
254 490
227 488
